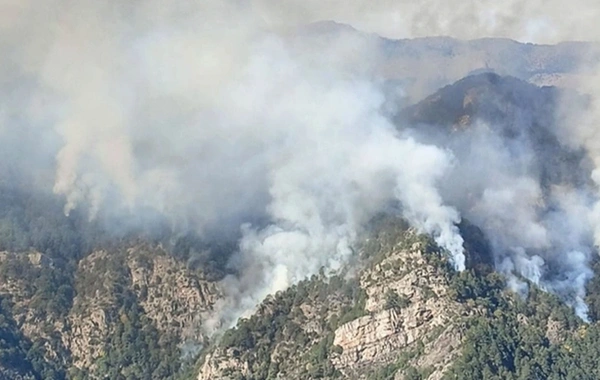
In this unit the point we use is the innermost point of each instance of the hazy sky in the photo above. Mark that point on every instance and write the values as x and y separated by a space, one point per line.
528 21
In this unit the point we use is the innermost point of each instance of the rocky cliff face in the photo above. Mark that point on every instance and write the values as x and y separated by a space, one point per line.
403 313
397 306
168 298
399 312
425 314
172 297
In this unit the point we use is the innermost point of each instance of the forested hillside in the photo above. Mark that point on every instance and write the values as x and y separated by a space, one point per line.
80 302
96 299
408 315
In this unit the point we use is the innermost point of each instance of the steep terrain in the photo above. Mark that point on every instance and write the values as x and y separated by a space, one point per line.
79 304
405 314
132 312
351 325
524 116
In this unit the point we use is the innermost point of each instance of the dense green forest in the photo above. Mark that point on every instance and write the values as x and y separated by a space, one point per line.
135 350
537 337
509 341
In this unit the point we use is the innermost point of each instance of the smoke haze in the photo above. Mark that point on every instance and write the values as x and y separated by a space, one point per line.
221 115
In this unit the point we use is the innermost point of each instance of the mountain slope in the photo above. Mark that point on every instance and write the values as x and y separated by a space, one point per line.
524 117
405 314
350 327
121 313
78 306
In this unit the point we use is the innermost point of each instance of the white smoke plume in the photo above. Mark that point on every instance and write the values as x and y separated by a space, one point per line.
332 163
532 227
212 122
213 115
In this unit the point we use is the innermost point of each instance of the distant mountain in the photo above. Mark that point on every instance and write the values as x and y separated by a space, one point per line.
422 65
430 63
488 97
520 113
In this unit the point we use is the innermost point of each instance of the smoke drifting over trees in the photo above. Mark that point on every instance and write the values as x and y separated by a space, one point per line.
217 116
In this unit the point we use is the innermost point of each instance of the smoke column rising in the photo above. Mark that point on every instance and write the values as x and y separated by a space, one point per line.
214 123
209 115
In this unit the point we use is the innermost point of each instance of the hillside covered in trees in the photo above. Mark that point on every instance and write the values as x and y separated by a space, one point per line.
408 315
95 299
78 302
77 308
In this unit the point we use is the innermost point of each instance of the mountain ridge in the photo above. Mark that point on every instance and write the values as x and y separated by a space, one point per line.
80 307
413 318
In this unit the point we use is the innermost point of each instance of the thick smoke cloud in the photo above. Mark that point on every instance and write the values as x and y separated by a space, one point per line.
537 229
217 124
332 161
213 115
